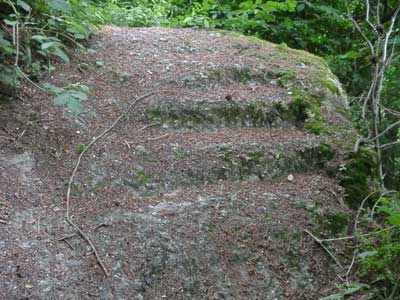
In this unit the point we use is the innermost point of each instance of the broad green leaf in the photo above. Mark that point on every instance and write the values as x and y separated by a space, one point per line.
10 22
43 53
47 45
3 41
79 87
51 22
352 54
60 5
78 95
249 5
39 37
61 54
354 288
300 7
24 5
394 220
91 51
62 99
75 106
386 209
53 89
8 76
79 31
7 80
367 254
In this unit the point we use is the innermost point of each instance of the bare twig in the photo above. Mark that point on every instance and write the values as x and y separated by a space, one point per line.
320 242
351 237
22 134
390 31
127 144
15 33
384 131
67 237
147 126
353 259
69 244
388 145
158 137
390 111
74 172
361 208
380 62
367 14
358 27
30 81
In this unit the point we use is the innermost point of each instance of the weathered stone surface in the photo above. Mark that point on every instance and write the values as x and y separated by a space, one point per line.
226 245
203 191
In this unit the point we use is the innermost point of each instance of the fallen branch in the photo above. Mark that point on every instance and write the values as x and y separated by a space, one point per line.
12 96
147 126
78 162
30 81
351 237
127 143
355 236
320 242
67 237
158 137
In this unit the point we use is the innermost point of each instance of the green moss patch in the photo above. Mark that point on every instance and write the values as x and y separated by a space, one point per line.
286 77
234 114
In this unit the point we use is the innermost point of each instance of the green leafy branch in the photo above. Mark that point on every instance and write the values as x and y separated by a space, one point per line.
70 96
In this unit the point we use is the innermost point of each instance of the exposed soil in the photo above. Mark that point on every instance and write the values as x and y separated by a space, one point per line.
203 191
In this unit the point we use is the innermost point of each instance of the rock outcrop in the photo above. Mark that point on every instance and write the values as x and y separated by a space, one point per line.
202 192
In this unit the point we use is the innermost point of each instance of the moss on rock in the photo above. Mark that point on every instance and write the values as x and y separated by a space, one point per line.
234 114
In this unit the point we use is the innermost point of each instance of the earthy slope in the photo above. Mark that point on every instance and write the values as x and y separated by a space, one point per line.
202 192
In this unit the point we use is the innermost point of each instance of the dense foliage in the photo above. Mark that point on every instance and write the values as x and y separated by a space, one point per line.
39 31
34 33
379 254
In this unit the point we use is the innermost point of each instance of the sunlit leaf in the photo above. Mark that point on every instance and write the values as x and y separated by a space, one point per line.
300 7
53 89
78 95
394 220
75 106
24 5
3 41
47 45
39 37
61 54
367 254
354 288
77 86
62 99
60 5
10 22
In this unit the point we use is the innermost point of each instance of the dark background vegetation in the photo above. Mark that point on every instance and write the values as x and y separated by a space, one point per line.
49 29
